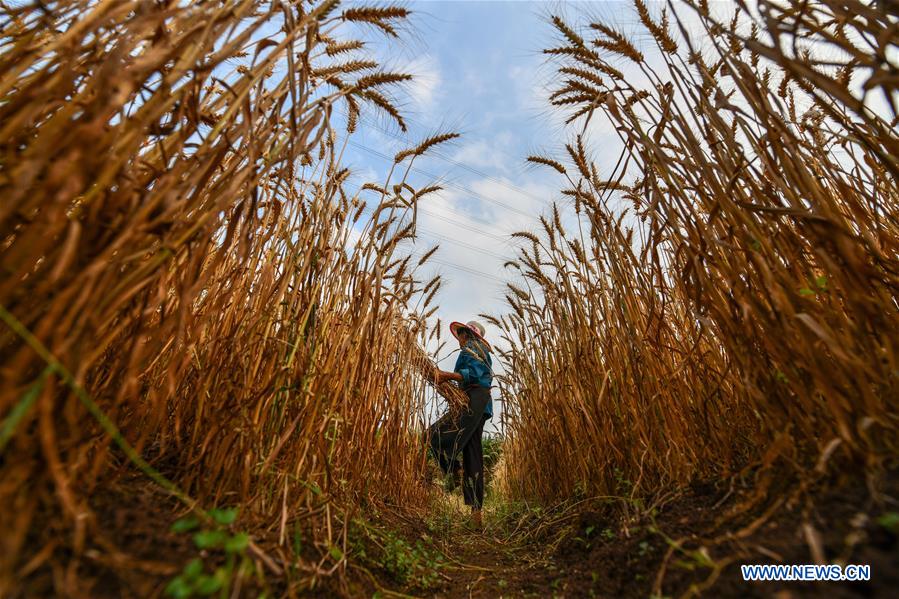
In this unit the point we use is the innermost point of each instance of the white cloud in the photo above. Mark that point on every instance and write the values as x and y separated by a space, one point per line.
475 240
424 88
482 154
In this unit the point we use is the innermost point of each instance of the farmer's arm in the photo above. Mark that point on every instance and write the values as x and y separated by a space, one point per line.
460 374
443 376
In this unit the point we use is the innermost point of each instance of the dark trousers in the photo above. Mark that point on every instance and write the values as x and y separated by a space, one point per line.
448 436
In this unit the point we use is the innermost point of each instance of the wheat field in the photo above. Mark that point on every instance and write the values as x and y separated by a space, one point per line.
195 300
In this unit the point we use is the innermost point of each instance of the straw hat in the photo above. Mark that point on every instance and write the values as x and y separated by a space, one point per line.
473 326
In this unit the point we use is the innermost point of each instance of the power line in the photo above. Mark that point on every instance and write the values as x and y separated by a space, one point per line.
446 183
454 241
459 267
438 154
458 223
466 269
431 213
463 244
446 239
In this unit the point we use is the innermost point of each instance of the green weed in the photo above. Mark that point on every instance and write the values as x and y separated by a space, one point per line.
201 577
889 521
415 565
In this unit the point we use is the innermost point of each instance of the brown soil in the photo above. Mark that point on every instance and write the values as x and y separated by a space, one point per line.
575 553
130 552
587 554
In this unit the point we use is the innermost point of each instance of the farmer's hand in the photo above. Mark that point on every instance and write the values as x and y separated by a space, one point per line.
443 376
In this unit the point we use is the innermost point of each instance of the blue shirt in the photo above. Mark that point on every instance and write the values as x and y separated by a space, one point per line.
476 367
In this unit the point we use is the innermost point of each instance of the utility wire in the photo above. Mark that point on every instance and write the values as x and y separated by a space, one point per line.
466 269
467 226
438 154
463 244
435 238
446 183
429 233
458 267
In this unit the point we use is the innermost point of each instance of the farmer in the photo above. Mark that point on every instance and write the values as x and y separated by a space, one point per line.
474 374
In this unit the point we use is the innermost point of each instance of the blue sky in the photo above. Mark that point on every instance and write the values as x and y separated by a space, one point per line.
479 71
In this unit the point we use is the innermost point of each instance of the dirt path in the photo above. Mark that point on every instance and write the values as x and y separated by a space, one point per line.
488 566
577 552
588 553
